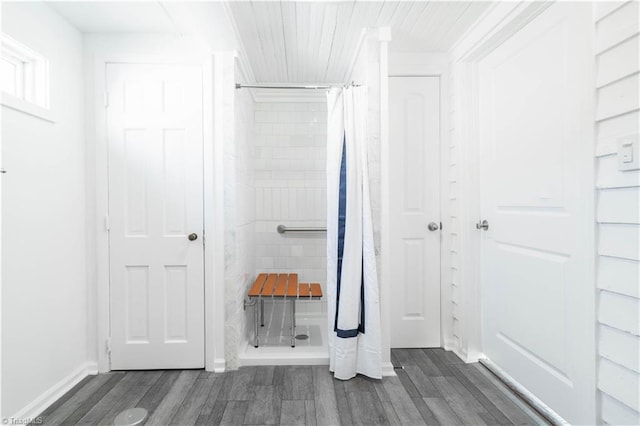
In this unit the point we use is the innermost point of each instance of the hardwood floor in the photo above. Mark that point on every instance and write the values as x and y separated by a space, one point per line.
433 387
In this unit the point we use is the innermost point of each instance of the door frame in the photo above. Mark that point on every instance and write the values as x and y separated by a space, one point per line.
435 65
214 126
496 25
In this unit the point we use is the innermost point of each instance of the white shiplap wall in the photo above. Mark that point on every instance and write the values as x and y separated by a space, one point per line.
618 213
454 227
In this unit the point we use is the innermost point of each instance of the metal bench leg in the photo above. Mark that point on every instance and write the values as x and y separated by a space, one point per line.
262 312
255 328
293 323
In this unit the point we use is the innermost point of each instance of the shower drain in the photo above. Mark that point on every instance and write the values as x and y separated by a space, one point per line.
302 337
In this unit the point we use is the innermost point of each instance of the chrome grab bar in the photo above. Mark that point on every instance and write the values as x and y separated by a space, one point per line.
282 229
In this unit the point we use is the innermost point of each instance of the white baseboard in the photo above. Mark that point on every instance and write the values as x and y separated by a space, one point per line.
473 356
466 356
528 396
92 368
387 369
219 365
55 392
449 345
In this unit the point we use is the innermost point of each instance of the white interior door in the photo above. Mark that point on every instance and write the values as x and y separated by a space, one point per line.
154 130
414 173
536 144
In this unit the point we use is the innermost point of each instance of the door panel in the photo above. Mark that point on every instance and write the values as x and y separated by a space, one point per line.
414 202
154 130
534 137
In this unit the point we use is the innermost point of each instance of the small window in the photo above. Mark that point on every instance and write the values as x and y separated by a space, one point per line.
24 78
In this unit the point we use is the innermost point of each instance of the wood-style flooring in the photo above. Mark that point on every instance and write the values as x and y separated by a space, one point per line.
433 387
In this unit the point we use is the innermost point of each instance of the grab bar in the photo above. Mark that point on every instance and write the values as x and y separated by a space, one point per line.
282 229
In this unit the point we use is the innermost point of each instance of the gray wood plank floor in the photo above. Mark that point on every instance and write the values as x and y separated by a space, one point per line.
432 387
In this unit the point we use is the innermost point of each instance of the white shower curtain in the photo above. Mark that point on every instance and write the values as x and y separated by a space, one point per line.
352 282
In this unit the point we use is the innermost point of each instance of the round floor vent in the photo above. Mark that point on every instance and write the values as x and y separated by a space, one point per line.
131 417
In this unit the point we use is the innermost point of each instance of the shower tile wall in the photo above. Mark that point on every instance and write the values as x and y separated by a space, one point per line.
290 189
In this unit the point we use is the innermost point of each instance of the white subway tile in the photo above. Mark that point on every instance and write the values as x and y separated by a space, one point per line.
297 117
264 262
275 204
290 129
301 140
314 184
261 117
315 175
302 129
262 174
280 262
285 250
284 204
284 164
267 205
272 116
293 203
289 175
297 251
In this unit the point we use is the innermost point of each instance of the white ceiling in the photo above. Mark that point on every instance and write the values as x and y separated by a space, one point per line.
206 19
286 41
116 16
314 42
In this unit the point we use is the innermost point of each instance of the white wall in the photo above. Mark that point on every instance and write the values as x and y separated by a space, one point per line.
290 171
44 298
239 222
617 213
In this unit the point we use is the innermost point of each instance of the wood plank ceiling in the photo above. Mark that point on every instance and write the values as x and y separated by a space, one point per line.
315 42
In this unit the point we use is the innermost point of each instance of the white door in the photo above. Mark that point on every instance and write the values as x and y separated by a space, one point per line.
154 131
536 145
414 174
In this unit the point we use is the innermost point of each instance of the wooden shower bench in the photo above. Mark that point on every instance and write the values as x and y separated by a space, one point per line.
285 287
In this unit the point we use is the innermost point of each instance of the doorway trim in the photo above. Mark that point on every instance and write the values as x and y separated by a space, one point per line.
495 26
212 67
435 65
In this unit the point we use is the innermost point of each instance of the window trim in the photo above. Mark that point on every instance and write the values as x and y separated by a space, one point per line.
33 96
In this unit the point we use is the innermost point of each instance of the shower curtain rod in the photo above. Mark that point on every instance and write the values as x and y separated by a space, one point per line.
305 86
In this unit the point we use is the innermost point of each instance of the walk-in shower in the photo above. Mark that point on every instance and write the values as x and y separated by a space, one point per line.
288 166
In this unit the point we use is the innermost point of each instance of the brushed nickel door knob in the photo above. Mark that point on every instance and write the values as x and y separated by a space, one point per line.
484 225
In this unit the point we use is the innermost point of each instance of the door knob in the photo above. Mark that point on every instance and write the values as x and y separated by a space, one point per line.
193 237
432 226
484 225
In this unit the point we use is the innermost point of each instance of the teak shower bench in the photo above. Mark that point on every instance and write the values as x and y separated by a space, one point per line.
281 287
